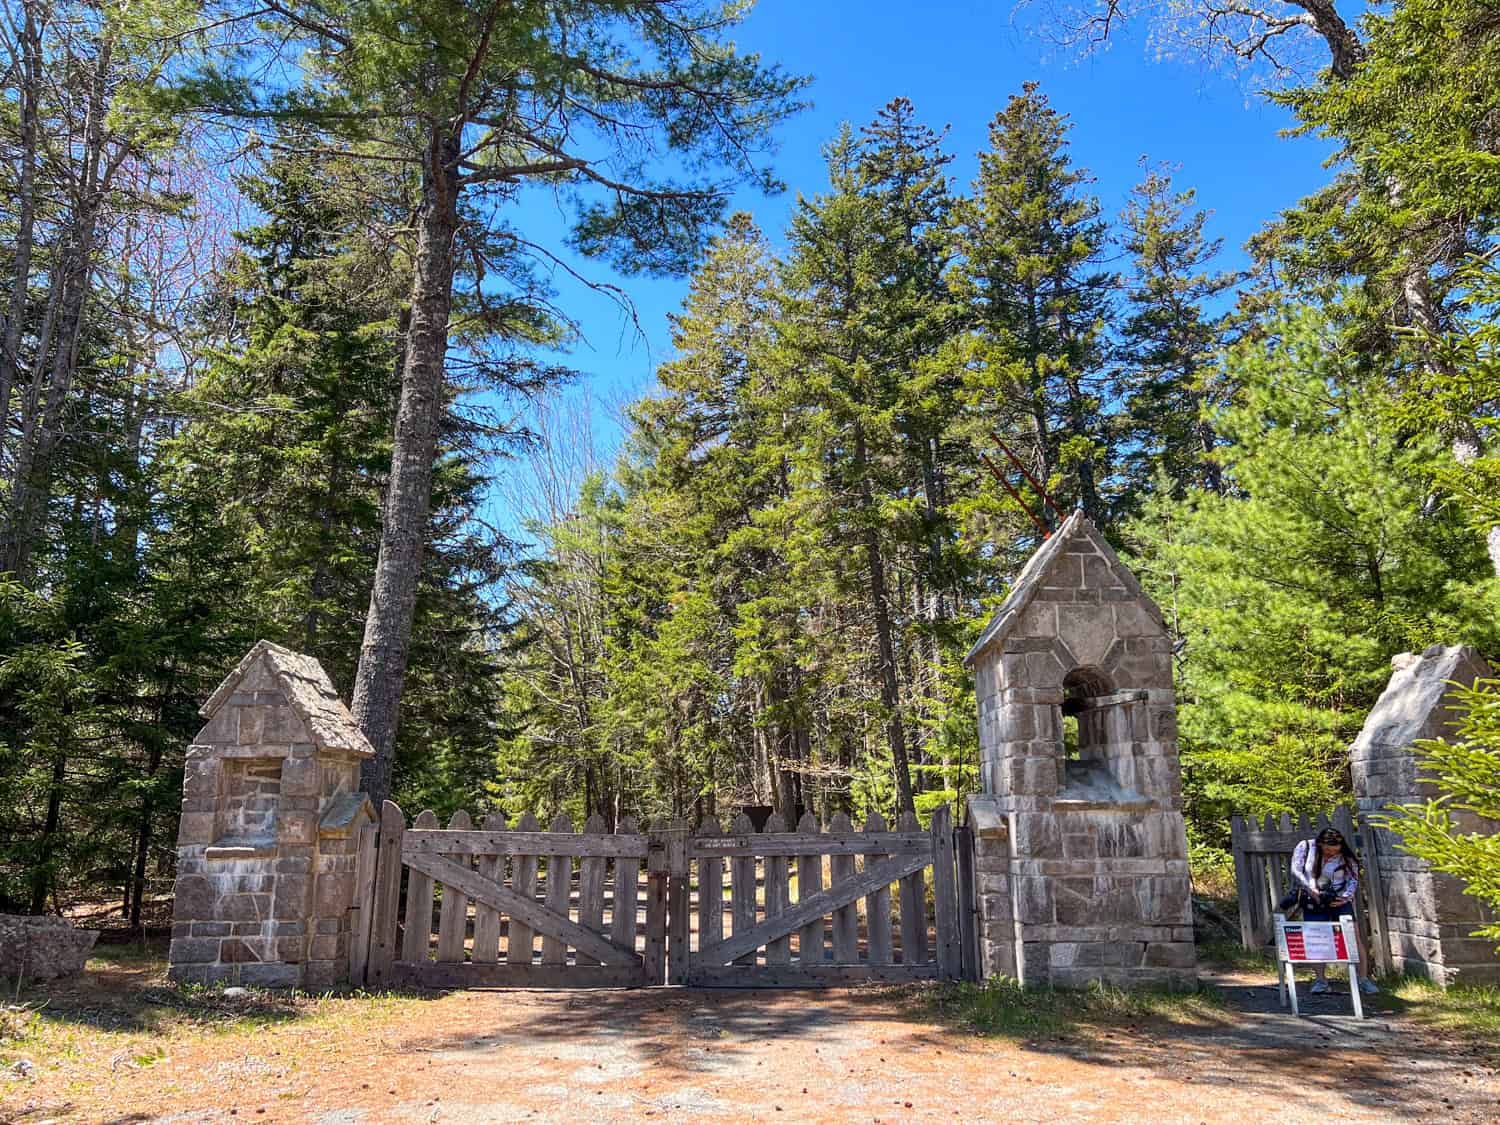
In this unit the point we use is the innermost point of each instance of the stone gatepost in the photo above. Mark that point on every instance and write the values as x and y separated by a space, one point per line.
1080 844
271 816
1429 917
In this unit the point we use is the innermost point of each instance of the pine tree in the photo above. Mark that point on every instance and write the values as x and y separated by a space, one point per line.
1291 589
1167 341
1032 240
466 96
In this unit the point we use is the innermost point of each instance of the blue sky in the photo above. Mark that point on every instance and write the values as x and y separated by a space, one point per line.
958 62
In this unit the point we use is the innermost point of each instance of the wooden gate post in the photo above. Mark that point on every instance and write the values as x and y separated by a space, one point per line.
387 895
1243 889
656 909
945 895
674 840
968 911
362 917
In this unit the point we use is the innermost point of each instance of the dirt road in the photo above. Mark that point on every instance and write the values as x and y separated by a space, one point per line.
676 1055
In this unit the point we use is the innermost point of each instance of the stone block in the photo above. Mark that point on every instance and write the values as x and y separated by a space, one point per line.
1034 900
300 777
1037 835
271 975
292 896
1038 776
323 975
1085 632
1165 901
335 893
245 907
220 730
283 725
993 884
1039 620
192 950
296 826
251 725
1122 839
1081 846
196 828
1172 955
200 777
190 972
235 951
194 897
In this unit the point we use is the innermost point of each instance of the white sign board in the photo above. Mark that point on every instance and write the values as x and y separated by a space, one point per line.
1316 943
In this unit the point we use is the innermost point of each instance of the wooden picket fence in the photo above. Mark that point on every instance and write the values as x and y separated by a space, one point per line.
1262 872
502 906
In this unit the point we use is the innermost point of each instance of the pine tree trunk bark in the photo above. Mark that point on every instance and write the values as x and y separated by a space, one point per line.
890 688
405 516
29 94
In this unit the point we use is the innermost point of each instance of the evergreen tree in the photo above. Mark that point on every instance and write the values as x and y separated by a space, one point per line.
466 95
1168 340
1033 240
1291 590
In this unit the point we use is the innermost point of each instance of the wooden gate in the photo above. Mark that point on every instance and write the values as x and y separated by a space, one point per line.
515 907
1262 874
497 906
816 908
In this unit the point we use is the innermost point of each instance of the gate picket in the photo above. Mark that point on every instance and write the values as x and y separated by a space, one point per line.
624 906
710 888
418 936
519 937
811 942
913 907
559 893
387 895
878 906
486 949
845 918
591 888
778 949
454 919
742 886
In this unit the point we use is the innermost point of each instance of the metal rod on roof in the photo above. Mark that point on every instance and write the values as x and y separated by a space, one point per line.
1036 484
1040 525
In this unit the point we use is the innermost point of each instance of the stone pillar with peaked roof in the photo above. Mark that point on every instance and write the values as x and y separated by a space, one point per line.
1429 918
271 814
1080 843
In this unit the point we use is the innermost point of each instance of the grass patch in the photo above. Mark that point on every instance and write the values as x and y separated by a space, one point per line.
1470 1012
1002 1007
1231 953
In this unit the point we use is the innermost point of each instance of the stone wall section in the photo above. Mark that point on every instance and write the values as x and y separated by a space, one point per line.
1430 919
270 819
1081 864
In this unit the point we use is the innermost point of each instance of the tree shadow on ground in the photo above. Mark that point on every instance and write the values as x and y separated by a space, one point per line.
124 988
1231 1034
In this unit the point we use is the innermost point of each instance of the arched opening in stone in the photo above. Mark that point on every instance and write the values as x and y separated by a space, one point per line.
1084 726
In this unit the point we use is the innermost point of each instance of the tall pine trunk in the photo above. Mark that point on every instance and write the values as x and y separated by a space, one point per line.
890 687
29 94
405 516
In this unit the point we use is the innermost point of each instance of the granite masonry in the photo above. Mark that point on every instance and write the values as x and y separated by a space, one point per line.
1080 844
1429 917
36 948
271 817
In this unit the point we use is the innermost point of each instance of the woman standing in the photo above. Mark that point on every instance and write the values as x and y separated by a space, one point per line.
1327 870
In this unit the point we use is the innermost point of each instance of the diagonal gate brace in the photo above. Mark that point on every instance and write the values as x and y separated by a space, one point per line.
814 906
532 913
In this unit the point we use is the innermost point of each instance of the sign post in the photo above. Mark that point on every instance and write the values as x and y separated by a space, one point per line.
1316 943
